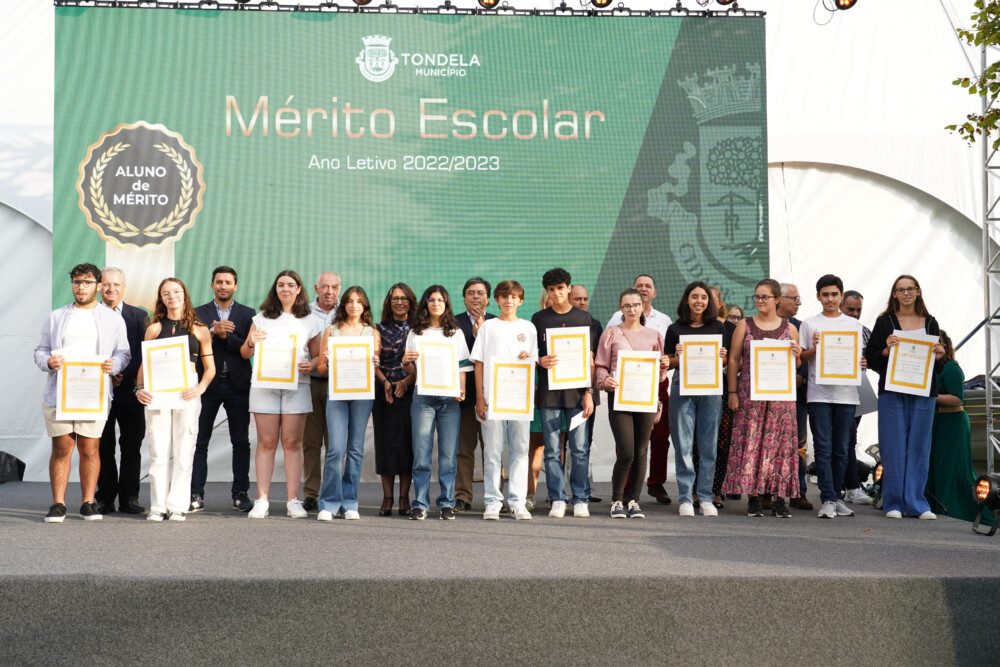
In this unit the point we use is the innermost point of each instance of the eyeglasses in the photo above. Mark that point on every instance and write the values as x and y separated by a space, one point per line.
83 283
900 290
631 306
795 299
399 299
762 298
435 300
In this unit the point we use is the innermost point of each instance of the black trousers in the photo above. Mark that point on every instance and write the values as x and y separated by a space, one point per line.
237 403
114 482
631 431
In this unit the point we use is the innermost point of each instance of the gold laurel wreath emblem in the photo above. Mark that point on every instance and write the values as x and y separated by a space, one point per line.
124 228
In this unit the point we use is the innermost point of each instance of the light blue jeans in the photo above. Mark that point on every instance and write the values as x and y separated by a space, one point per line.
426 413
346 422
694 428
516 434
576 442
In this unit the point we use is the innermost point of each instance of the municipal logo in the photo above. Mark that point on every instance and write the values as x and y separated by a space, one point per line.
376 60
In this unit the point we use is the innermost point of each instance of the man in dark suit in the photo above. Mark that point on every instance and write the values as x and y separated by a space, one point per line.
477 296
114 481
229 323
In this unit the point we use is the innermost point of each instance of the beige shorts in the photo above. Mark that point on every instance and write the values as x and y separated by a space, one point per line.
81 428
281 401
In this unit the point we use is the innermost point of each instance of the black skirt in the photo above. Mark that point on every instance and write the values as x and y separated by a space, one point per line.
393 435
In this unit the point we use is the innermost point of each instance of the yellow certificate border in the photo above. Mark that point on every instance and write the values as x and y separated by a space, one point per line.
527 398
555 370
927 367
791 371
368 367
260 361
835 376
97 364
149 365
622 360
453 349
718 376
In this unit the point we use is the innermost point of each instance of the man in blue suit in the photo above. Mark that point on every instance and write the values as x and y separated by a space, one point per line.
229 323
122 481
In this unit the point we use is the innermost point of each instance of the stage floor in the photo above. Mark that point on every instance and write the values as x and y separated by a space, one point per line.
221 543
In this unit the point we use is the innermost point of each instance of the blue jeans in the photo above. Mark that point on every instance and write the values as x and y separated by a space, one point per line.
576 442
831 425
426 412
346 422
694 426
904 443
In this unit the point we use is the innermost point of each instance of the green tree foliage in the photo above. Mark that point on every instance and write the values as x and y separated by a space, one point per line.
985 32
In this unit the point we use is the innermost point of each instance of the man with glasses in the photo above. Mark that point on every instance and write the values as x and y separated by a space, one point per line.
315 438
78 328
126 411
788 308
659 440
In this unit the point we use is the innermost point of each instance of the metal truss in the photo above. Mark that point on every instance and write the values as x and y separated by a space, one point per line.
991 266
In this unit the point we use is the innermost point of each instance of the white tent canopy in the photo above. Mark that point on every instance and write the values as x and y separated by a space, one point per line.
863 179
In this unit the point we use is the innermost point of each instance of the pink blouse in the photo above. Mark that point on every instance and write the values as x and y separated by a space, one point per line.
615 338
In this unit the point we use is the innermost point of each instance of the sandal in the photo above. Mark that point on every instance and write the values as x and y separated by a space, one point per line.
404 506
386 508
717 503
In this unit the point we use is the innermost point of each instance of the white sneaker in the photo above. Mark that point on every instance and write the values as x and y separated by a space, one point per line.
294 509
520 513
894 514
259 510
928 515
843 509
325 515
155 516
581 511
686 509
858 497
828 511
177 516
352 515
708 509
558 510
492 512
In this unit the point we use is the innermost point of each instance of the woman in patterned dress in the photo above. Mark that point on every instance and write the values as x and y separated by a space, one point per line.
763 457
391 417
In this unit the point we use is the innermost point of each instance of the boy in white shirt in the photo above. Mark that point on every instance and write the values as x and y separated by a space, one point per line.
831 407
504 337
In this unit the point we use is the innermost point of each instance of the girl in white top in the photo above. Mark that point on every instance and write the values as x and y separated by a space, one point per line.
281 413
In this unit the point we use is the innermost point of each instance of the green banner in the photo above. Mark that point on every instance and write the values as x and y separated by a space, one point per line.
416 148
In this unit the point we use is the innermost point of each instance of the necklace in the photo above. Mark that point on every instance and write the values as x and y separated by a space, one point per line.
173 327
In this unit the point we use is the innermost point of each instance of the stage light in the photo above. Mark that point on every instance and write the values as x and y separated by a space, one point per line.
489 4
725 2
362 3
845 4
987 494
600 4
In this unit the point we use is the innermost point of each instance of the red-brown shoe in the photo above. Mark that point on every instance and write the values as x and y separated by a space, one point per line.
801 503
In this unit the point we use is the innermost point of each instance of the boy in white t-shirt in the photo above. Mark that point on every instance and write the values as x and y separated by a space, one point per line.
831 407
505 337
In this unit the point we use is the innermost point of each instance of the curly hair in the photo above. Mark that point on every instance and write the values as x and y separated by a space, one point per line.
422 319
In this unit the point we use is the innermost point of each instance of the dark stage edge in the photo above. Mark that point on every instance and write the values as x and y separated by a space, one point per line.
664 590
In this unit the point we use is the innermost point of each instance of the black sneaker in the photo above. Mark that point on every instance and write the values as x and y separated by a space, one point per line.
779 508
447 514
56 513
197 503
618 510
595 499
462 506
89 512
754 508
310 504
417 514
242 502
634 511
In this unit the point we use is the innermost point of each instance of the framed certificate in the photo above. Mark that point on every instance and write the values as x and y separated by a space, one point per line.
772 370
638 375
512 389
910 364
81 392
700 365
275 360
572 346
351 371
437 366
838 357
167 371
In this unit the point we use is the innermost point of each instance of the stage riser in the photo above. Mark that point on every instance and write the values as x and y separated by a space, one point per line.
598 621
